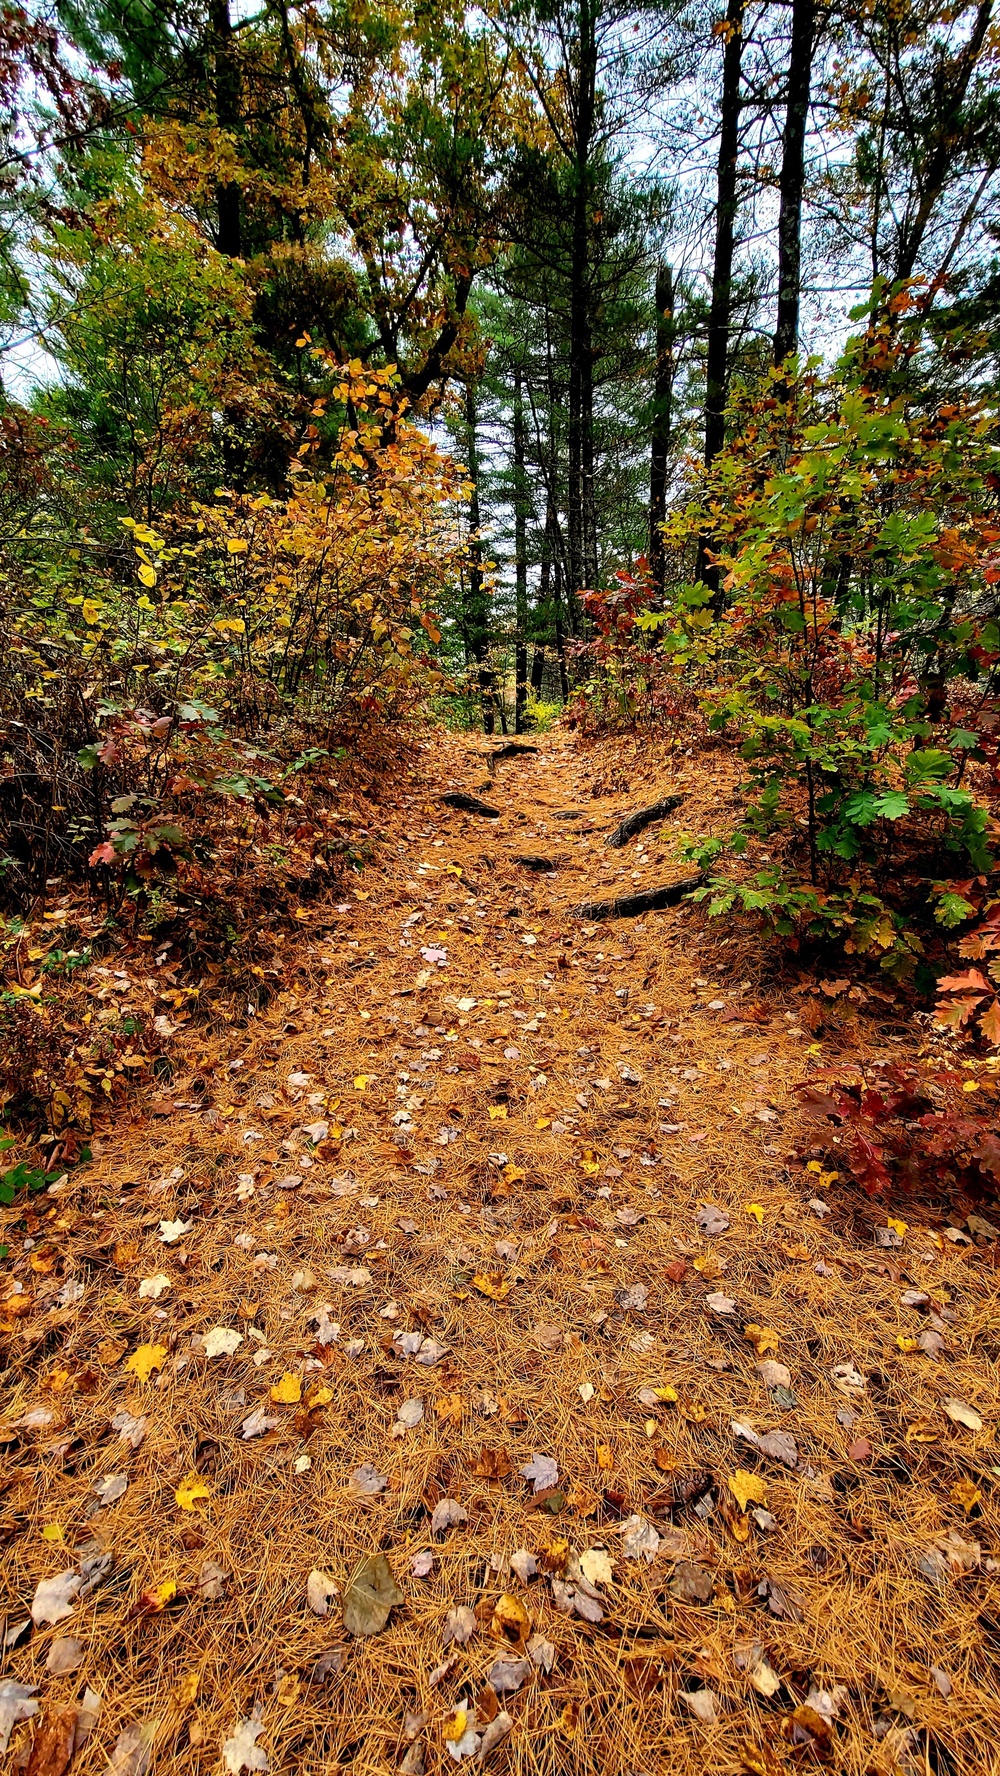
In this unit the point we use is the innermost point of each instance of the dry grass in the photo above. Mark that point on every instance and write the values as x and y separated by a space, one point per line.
847 1534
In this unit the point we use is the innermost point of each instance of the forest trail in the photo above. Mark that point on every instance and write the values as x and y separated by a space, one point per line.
480 1249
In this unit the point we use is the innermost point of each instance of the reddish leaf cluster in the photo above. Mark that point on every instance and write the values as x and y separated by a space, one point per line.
910 1127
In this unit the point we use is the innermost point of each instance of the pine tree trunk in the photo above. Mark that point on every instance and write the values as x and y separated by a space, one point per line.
800 61
720 311
662 428
477 603
520 562
581 527
227 110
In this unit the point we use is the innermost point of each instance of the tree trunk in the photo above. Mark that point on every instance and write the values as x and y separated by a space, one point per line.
943 145
786 334
477 603
720 310
663 400
228 197
580 425
520 563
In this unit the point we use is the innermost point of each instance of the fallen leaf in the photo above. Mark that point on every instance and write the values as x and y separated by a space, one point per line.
145 1359
172 1231
133 1751
151 1288
720 1304
763 1339
524 1565
370 1596
640 1540
64 1655
507 1675
762 1675
950 1557
747 1488
447 1514
691 1583
596 1565
449 1408
711 1220
510 1621
287 1391
496 1288
459 1732
130 1430
211 1581
702 1705
774 1375
16 1704
222 1341
781 1446
241 1751
459 1626
153 1601
54 1598
780 1602
190 1491
493 1464
366 1481
110 1489
320 1592
257 1423
966 1494
54 1742
542 1471
755 1211
962 1414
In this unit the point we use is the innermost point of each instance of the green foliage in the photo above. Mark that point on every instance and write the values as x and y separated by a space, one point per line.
856 661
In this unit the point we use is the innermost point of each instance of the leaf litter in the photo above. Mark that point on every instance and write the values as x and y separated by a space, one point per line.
216 1373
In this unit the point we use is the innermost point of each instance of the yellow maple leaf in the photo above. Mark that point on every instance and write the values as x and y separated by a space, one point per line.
755 1211
498 1112
496 1288
145 1359
186 1690
53 1532
967 1494
318 1396
287 1391
708 1265
763 1339
906 1345
543 1122
605 1457
899 1227
361 1082
190 1491
747 1488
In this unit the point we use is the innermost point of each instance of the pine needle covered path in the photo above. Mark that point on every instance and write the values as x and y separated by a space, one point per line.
453 1367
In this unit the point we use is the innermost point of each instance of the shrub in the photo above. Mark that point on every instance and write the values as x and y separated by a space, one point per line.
905 1128
854 521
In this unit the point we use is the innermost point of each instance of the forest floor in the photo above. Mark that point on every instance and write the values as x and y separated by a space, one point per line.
489 1248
